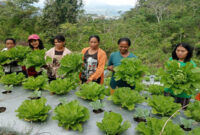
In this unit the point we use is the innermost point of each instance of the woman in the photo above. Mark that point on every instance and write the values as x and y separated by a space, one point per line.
183 54
115 60
12 67
35 43
56 54
94 61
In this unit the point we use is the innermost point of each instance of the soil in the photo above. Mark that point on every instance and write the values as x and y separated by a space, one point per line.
6 92
98 111
33 98
186 129
2 109
139 119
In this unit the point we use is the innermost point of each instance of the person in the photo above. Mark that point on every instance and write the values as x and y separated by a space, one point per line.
115 60
13 66
183 54
35 43
56 54
94 62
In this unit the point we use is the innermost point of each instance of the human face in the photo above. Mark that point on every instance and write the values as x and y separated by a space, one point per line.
181 52
59 44
34 43
94 43
123 47
10 44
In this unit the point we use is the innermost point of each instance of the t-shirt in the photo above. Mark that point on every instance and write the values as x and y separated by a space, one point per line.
115 60
90 65
182 95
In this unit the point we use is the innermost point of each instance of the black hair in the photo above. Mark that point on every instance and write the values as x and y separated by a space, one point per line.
41 46
124 39
95 36
187 47
59 38
14 41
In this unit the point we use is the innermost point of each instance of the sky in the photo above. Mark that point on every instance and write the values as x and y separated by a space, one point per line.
103 7
106 2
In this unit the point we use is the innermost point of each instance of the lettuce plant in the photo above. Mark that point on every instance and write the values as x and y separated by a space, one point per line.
71 115
131 71
61 86
141 113
112 124
91 91
71 63
33 110
126 97
35 83
154 126
195 131
193 111
36 59
180 79
12 79
186 123
156 89
163 106
97 105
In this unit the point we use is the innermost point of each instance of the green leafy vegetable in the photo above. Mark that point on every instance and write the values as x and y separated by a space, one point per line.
186 123
156 89
193 110
12 79
61 86
36 94
141 113
91 91
8 87
36 59
1 71
112 123
163 106
126 97
180 79
154 126
71 115
37 83
71 63
195 131
131 71
18 54
33 110
97 105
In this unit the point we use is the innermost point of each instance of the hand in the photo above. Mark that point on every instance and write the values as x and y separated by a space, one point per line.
111 68
88 81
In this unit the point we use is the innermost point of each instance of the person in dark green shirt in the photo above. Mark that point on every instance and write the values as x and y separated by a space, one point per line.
183 54
115 60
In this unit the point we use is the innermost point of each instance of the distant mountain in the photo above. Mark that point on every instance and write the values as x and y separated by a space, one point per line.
107 10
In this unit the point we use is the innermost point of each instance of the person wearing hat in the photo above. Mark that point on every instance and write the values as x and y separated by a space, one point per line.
35 43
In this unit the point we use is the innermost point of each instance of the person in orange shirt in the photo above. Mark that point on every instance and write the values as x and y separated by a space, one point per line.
94 62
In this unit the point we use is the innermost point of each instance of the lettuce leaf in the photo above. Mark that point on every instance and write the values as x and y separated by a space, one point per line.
180 79
131 71
154 126
163 106
12 79
33 110
91 91
112 123
126 97
71 115
193 110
